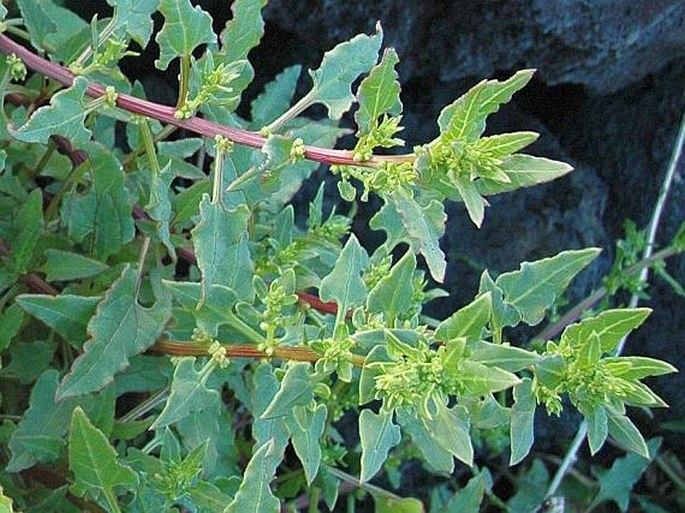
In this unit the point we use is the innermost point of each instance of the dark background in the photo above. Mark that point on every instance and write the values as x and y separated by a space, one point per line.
607 98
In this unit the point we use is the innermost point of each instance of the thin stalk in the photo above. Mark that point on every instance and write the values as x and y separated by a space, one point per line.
149 146
571 454
372 489
294 111
111 500
184 81
141 266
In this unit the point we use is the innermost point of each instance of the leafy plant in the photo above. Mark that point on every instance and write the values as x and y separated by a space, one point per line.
171 330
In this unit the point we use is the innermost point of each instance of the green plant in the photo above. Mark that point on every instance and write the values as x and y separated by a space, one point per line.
171 332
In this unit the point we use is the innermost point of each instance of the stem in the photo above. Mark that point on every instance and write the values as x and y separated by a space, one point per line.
571 454
144 407
141 264
111 500
291 113
149 145
183 81
165 114
372 489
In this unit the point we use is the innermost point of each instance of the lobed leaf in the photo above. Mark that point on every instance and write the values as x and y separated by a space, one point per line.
450 428
66 266
469 321
296 390
134 17
610 327
188 394
344 284
120 329
185 28
379 93
534 287
64 116
332 81
254 493
276 97
306 428
159 205
378 434
436 457
38 22
465 118
393 294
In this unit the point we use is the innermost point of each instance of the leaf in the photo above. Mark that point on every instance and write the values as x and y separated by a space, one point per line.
532 487
598 428
393 294
637 367
512 359
37 21
378 434
94 461
344 284
296 390
421 226
276 97
434 455
134 17
159 205
67 314
120 329
535 286
221 248
400 505
189 394
254 493
479 379
502 145
469 321
210 314
29 227
522 417
617 483
186 204
450 428
465 118
610 326
11 321
105 211
64 116
469 498
242 33
65 266
39 436
625 433
306 428
475 203
332 81
28 360
379 93
523 171
185 28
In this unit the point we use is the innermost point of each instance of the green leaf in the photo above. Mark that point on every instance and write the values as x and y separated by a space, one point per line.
610 326
465 118
502 145
535 286
523 171
37 21
296 390
393 294
437 458
210 314
11 321
598 428
401 505
185 28
28 360
475 203
94 461
276 98
344 284
186 204
637 367
65 266
469 498
254 493
624 432
379 93
506 357
68 315
306 428
39 436
479 379
64 116
120 329
105 211
531 488
450 428
221 248
159 205
378 434
332 81
29 227
522 417
189 394
422 226
469 321
617 483
134 17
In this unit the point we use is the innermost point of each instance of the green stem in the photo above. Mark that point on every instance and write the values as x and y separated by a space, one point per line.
111 500
217 186
372 489
149 145
303 104
151 402
141 266
241 326
184 81
314 498
50 150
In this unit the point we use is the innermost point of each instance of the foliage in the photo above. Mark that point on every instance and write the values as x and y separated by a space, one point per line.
171 330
